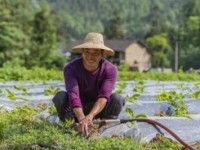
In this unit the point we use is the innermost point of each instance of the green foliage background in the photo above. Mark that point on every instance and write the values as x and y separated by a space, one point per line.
33 32
28 35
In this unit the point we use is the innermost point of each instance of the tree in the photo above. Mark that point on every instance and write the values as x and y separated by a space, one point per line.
190 35
44 42
191 43
159 46
113 28
190 59
191 8
13 40
157 21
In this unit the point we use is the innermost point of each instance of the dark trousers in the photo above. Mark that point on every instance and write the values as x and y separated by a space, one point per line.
110 111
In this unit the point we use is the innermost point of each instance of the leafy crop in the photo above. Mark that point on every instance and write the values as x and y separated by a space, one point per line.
180 86
139 88
131 115
24 89
176 100
196 94
133 98
51 91
121 86
11 95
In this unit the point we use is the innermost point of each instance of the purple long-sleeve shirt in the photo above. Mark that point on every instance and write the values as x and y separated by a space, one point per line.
83 86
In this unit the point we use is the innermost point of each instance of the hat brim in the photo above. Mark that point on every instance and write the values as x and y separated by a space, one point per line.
107 51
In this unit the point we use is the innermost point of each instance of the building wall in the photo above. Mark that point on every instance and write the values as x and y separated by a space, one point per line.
137 57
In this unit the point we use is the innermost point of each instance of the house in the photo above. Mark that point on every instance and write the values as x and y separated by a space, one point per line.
133 53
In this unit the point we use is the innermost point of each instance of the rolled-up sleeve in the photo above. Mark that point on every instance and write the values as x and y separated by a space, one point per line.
71 85
108 82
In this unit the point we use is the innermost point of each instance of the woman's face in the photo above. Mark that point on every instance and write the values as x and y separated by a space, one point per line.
91 58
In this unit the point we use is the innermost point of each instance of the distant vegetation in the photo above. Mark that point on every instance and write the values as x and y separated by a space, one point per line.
33 32
38 74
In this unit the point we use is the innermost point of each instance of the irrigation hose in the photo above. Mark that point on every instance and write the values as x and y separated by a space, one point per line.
150 121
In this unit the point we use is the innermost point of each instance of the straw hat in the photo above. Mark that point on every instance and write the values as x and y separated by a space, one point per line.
94 40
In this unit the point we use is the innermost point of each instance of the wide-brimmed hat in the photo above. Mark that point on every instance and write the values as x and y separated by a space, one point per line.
94 40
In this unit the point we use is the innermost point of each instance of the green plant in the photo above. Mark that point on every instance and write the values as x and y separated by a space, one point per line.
197 84
180 86
20 88
132 98
118 91
131 115
196 94
11 95
158 76
36 74
2 127
139 88
123 67
19 130
176 100
162 143
121 86
52 110
51 91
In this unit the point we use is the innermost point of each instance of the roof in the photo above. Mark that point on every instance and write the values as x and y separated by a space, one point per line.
117 45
